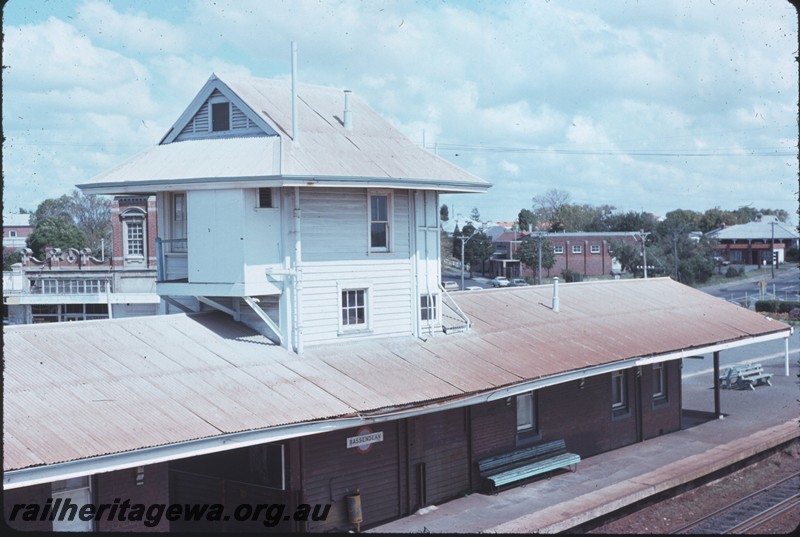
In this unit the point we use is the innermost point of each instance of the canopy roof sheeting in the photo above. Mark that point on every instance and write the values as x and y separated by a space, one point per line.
78 391
372 153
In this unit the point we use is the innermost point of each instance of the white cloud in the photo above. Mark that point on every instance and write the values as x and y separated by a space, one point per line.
97 81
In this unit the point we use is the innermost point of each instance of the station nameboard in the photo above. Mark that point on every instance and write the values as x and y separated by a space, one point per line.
364 439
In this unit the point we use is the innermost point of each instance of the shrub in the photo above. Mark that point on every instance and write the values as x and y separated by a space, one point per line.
734 272
571 276
794 313
776 306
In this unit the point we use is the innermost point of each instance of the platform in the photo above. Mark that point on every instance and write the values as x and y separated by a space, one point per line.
753 421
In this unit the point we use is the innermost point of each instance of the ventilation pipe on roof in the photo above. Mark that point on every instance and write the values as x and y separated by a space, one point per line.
295 134
555 294
348 116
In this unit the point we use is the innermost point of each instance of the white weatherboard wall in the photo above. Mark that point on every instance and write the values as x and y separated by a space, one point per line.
216 235
231 240
335 238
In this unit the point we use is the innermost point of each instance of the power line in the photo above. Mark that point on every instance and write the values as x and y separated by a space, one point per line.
639 153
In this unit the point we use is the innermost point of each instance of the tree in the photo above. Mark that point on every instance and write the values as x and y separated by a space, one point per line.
444 213
630 221
57 233
526 220
477 249
91 215
457 243
628 255
546 205
10 258
475 215
528 253
53 208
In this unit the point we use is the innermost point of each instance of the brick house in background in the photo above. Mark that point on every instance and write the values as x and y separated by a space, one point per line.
582 252
16 229
754 242
76 285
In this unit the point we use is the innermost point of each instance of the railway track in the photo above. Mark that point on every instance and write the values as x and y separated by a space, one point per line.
746 514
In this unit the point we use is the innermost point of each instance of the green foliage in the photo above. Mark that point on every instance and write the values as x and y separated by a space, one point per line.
477 248
57 233
570 276
734 272
628 255
457 243
776 306
528 253
696 269
90 214
11 258
526 220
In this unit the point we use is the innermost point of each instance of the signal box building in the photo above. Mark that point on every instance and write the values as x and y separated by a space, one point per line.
320 360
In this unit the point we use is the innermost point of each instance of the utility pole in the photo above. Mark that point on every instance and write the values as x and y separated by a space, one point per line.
773 261
644 236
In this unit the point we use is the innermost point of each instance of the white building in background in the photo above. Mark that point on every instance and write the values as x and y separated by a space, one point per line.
75 285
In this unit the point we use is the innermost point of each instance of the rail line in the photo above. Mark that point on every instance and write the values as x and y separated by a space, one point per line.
751 511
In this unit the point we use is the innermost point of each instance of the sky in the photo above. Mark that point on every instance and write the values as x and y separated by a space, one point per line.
642 105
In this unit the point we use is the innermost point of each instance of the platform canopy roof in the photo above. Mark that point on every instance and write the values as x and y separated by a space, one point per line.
93 396
371 153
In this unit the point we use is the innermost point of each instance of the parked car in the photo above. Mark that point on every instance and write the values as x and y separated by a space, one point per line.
501 281
519 282
473 288
450 285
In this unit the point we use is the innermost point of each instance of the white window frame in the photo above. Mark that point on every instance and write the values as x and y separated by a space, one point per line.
12 233
428 311
577 249
360 328
527 421
71 488
594 248
659 381
134 215
619 393
558 249
388 222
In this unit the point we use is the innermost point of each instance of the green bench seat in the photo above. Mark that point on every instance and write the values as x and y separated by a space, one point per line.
528 462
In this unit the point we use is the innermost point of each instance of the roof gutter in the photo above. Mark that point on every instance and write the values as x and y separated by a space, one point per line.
153 455
212 183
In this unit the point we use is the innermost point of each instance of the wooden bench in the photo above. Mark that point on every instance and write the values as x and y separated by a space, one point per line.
524 463
745 377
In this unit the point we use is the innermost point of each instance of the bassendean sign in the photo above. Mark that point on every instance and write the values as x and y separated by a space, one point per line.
363 442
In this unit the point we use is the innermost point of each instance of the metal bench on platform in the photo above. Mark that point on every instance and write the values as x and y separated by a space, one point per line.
745 377
528 462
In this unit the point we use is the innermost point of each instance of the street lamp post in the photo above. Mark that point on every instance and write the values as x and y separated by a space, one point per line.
464 241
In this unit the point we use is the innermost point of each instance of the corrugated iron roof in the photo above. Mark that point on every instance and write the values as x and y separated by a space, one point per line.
373 150
80 390
760 229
